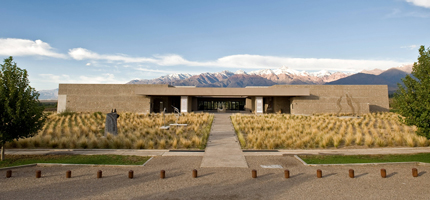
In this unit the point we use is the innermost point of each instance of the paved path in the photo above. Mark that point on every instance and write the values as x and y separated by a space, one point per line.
364 151
223 149
148 152
135 152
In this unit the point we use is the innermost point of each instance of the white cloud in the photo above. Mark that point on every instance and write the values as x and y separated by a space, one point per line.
242 61
105 78
410 47
85 54
23 47
152 70
397 13
88 64
421 3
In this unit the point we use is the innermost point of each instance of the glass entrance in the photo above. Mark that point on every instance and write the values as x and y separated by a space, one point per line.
206 104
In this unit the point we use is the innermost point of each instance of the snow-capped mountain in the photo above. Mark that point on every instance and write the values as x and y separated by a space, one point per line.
283 75
268 77
167 79
240 72
321 73
405 68
177 76
288 71
262 72
174 79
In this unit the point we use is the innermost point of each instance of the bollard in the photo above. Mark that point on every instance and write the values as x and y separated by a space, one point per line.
130 174
383 173
195 173
8 173
68 174
319 173
414 172
254 173
162 174
99 174
351 173
287 173
38 174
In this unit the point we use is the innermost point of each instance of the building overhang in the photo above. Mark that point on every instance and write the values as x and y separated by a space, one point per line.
203 91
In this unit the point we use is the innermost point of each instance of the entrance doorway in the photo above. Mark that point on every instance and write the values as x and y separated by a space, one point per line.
213 104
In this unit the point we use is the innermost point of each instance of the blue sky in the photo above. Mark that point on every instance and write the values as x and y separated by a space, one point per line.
117 41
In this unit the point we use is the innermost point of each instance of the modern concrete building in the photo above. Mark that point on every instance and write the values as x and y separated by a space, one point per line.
294 99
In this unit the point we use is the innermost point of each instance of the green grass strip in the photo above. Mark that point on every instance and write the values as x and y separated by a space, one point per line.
345 159
15 160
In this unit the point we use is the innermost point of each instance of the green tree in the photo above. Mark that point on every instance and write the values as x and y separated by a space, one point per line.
413 99
20 113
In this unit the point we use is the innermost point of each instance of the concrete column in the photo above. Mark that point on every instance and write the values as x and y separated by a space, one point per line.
184 104
258 105
61 103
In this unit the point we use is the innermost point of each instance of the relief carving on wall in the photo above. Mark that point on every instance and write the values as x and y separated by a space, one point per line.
350 101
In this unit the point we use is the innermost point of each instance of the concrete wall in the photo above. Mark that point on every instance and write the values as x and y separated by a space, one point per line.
357 99
281 104
249 104
104 97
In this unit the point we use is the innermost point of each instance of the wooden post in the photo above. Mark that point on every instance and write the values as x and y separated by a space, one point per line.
8 173
162 174
319 173
38 174
414 172
99 174
195 173
254 173
351 173
130 174
68 174
383 173
287 173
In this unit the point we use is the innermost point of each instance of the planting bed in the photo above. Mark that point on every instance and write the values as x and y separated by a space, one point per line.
135 131
283 131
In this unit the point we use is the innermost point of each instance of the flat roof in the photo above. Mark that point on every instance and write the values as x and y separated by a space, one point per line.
207 91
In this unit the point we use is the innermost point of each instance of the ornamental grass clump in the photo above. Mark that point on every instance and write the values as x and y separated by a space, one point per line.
284 131
135 131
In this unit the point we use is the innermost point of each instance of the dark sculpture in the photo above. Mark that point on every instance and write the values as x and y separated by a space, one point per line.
111 123
349 101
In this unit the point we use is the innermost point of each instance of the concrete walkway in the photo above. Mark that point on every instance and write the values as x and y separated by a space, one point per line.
223 149
161 152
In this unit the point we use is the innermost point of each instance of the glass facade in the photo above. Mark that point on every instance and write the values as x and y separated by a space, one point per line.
236 104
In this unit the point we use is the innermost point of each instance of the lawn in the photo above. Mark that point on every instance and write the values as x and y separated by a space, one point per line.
344 159
284 131
15 160
135 131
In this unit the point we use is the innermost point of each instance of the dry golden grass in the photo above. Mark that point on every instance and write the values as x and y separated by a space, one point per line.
135 131
283 131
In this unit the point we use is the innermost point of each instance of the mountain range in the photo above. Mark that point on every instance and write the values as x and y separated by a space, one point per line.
48 94
240 78
284 75
269 77
389 77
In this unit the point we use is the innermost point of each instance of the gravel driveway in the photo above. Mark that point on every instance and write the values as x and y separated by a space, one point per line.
217 183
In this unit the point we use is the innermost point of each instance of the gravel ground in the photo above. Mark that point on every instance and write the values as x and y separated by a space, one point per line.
217 183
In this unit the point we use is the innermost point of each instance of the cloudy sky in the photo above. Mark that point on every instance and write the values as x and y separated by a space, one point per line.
117 41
